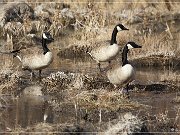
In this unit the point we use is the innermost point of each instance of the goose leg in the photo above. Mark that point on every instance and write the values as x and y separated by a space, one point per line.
115 86
99 66
32 75
109 66
127 92
40 74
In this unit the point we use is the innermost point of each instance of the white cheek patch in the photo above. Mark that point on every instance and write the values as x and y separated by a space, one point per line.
118 28
129 46
44 36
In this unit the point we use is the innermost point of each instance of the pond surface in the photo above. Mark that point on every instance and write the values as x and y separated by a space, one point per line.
30 107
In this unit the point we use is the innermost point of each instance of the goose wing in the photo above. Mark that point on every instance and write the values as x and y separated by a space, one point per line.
102 43
99 47
29 52
32 61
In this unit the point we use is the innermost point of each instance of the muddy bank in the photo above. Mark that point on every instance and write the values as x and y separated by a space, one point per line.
73 102
157 61
146 61
74 51
90 23
73 96
127 123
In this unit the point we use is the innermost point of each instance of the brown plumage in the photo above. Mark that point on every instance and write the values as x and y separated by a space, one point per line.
123 75
36 59
107 51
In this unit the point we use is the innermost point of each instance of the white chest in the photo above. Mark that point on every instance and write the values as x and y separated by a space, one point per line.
121 75
113 50
127 69
109 52
48 57
38 61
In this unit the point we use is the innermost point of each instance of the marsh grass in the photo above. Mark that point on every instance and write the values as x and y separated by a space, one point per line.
157 45
156 41
93 22
73 89
177 99
105 100
163 122
127 124
9 84
87 93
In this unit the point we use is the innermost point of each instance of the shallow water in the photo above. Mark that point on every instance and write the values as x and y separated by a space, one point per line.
29 109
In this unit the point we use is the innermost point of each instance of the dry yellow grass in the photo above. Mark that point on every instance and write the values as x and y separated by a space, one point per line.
87 93
94 21
105 100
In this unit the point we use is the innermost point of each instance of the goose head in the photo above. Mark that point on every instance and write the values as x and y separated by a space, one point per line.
117 28
47 36
131 45
127 47
121 27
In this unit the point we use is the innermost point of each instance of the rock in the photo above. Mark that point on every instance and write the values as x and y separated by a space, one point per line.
14 28
128 124
73 129
33 96
176 16
41 11
34 90
135 19
42 127
66 12
16 12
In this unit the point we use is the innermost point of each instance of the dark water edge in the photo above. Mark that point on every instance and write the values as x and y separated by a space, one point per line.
92 105
159 114
154 98
156 89
157 61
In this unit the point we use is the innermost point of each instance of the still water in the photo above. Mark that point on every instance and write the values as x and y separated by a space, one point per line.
29 107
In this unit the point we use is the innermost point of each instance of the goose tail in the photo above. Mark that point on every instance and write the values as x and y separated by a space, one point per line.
88 51
15 51
15 54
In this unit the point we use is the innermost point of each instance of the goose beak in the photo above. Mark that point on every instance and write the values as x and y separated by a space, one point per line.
139 46
126 29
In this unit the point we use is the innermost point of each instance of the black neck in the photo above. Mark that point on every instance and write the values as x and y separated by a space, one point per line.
113 37
44 45
124 56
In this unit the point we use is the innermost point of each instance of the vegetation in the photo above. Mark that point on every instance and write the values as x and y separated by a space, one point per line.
91 102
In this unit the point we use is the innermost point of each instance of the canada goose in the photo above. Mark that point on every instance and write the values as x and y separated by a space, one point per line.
37 61
107 51
123 75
